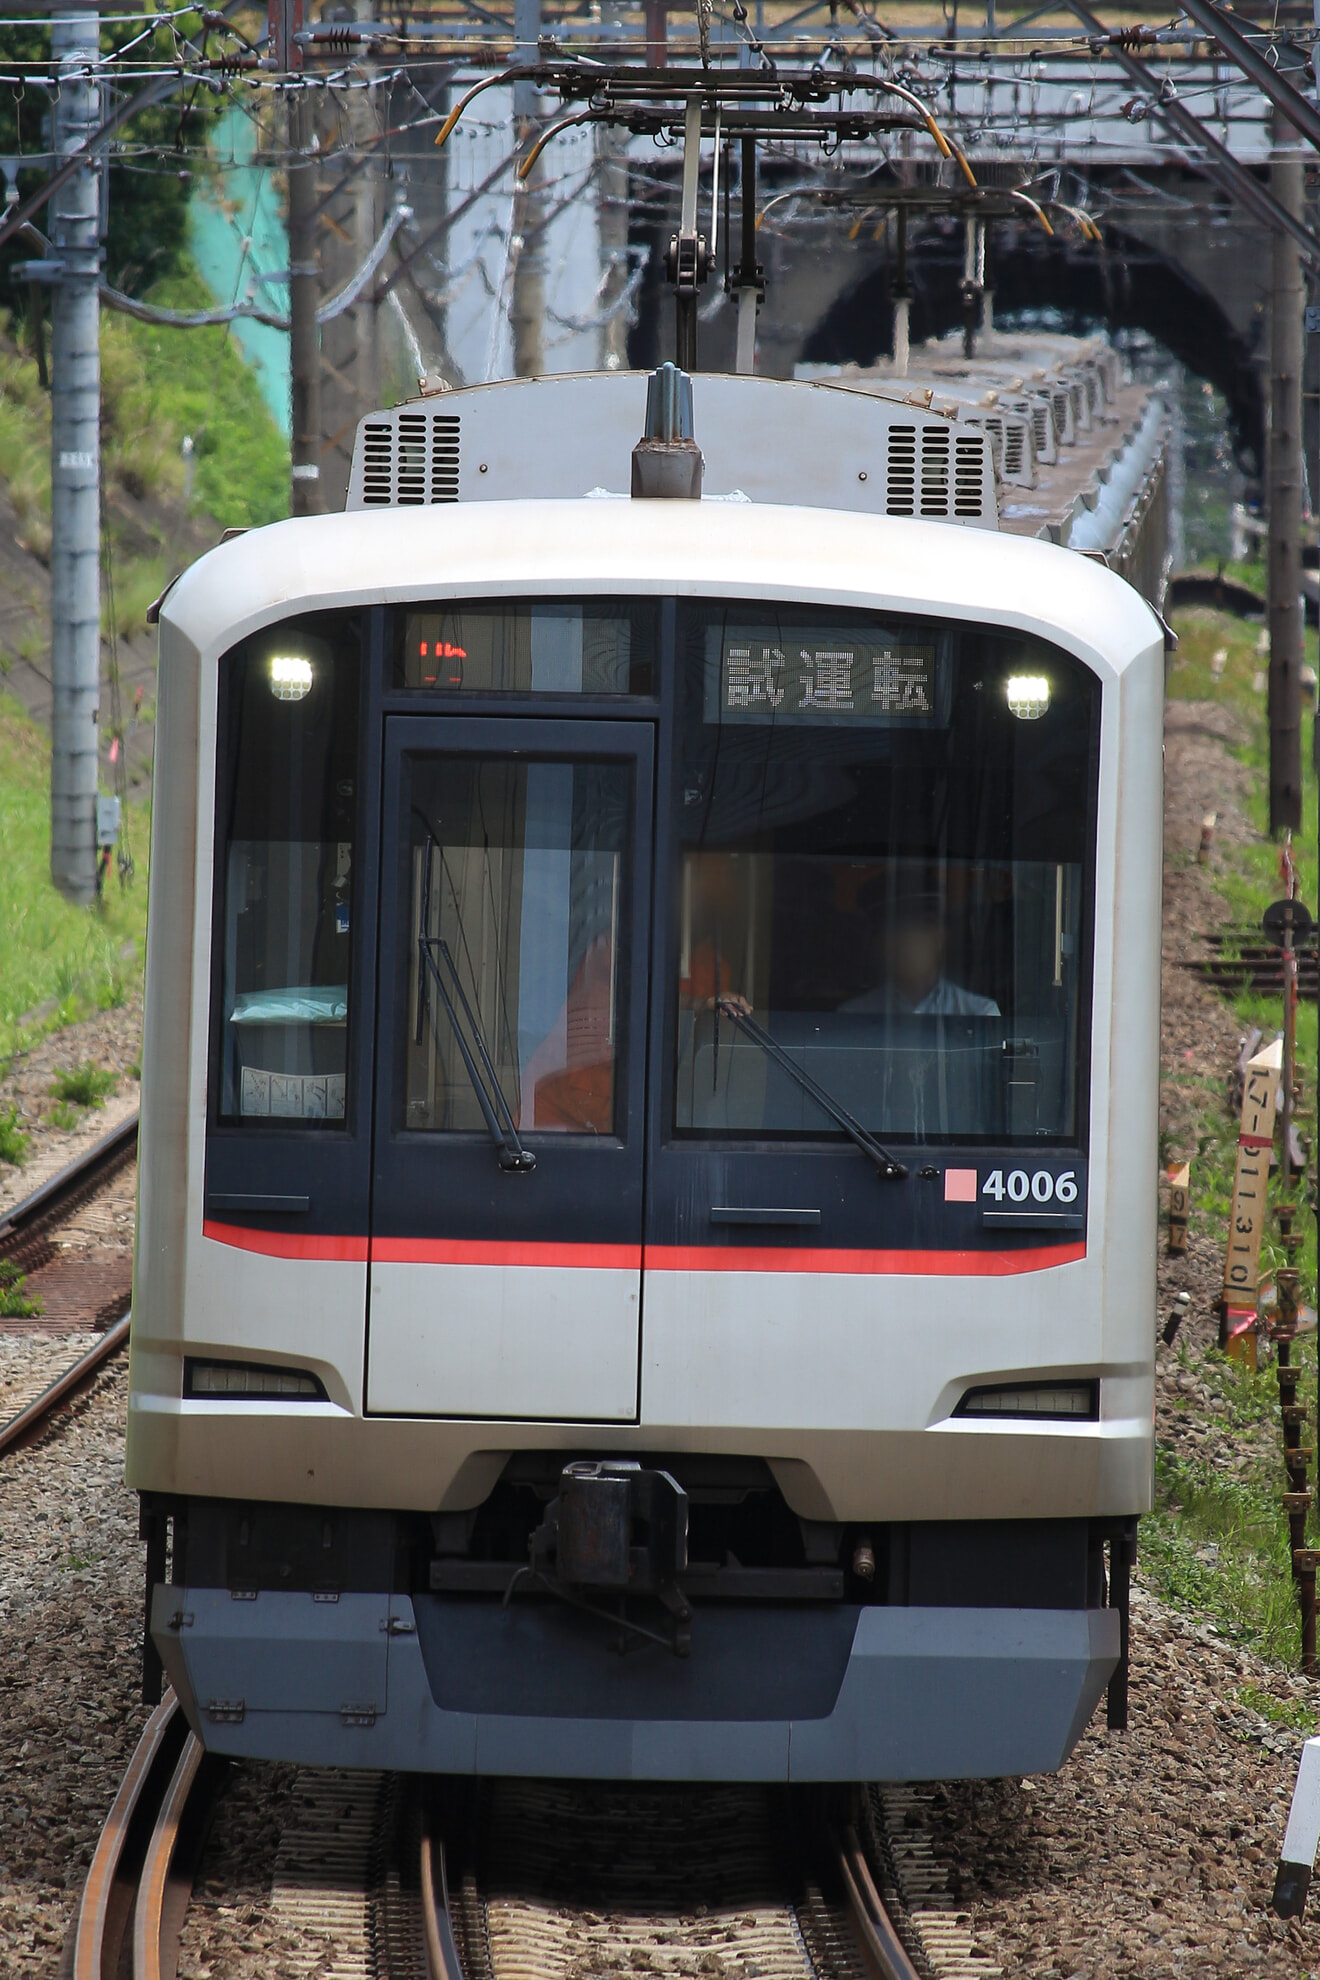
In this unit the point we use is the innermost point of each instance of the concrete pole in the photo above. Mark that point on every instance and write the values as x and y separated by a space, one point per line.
749 273
612 227
1287 182
75 471
527 304
901 292
304 300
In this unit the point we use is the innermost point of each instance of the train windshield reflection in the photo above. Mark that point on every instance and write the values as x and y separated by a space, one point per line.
885 866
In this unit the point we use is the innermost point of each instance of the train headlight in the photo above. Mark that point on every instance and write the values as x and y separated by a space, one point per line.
245 1381
290 676
1059 1402
1028 696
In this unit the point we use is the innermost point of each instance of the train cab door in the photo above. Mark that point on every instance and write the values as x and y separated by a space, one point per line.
507 1191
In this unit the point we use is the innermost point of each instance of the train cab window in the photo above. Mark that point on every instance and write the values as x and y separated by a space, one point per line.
286 815
517 984
883 869
592 646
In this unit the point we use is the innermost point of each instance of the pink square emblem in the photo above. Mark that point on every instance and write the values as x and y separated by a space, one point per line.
960 1185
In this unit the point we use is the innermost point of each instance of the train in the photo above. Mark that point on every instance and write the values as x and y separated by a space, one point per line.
645 1252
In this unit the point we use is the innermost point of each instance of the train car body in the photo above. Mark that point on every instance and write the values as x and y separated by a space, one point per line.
646 1243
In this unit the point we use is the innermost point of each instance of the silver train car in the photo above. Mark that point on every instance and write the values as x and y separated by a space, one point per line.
646 1237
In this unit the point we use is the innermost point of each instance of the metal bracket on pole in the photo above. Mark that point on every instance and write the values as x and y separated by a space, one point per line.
687 262
284 20
1219 165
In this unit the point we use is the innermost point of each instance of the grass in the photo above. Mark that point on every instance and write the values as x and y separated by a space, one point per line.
160 387
13 1304
1247 879
87 1085
13 1142
164 385
1217 1543
58 962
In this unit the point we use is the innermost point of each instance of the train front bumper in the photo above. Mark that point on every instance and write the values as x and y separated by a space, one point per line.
437 1685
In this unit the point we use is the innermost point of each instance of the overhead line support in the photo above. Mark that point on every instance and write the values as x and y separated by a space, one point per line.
1300 112
1220 166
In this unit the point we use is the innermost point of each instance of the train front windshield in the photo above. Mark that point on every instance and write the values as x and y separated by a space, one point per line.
882 877
875 881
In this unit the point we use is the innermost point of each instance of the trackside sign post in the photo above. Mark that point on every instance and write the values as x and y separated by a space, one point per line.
1250 1181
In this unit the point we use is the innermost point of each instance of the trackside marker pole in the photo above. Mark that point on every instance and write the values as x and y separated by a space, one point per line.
1292 1880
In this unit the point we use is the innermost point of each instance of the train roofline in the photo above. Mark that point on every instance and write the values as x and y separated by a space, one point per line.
708 548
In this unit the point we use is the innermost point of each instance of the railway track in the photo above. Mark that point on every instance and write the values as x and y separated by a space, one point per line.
397 1878
26 1231
27 1241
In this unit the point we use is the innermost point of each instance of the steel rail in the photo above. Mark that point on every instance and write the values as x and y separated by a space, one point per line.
442 1957
110 1342
875 1928
107 1154
107 1894
153 1957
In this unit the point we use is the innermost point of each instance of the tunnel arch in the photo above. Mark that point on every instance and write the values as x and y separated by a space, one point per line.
1126 284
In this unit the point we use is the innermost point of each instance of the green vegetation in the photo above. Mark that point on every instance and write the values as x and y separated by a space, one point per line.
160 388
58 962
1218 1541
13 1305
1292 1712
148 208
86 1085
1247 879
13 1142
164 385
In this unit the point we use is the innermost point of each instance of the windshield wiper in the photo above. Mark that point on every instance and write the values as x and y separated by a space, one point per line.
885 1164
514 1158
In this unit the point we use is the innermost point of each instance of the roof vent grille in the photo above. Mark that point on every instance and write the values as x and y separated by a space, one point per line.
934 470
444 457
410 479
1014 448
410 459
377 463
901 482
968 474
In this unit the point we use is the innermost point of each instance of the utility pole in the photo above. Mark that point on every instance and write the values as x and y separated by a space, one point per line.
304 299
750 280
612 231
527 304
75 466
1287 182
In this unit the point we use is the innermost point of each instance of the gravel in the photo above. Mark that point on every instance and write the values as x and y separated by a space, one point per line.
70 1622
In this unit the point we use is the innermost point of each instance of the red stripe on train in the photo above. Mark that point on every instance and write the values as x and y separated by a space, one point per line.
952 1264
288 1244
458 1251
659 1257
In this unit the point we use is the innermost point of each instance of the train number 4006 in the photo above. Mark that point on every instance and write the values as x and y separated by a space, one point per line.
1041 1187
